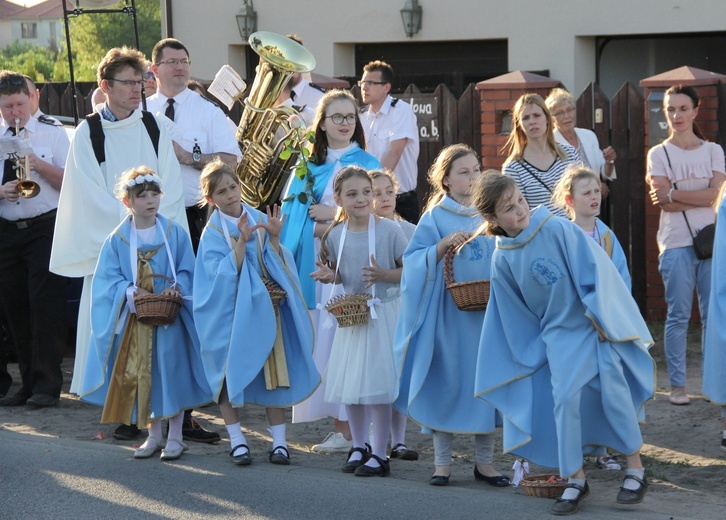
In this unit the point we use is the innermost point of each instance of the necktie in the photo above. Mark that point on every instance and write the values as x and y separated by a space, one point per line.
292 95
169 112
9 167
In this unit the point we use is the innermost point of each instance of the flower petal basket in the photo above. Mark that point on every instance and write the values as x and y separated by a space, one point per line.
542 486
157 309
468 296
349 309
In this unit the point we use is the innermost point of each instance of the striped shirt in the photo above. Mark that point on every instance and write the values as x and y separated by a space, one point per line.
537 185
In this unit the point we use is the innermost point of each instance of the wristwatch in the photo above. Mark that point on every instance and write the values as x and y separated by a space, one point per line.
196 154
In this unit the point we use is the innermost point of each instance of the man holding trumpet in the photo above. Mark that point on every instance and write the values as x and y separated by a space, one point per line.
32 300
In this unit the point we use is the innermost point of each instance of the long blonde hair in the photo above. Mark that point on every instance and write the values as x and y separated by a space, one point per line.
341 216
517 141
573 173
441 168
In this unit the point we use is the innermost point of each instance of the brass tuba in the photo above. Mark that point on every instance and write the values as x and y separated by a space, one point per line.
263 130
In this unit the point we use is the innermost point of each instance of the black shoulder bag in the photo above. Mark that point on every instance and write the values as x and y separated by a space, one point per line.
703 239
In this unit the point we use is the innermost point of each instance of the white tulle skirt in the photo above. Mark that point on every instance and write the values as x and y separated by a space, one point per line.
361 369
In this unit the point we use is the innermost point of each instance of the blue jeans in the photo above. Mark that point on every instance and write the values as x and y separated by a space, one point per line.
682 272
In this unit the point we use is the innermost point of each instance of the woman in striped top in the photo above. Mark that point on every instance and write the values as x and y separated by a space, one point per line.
536 161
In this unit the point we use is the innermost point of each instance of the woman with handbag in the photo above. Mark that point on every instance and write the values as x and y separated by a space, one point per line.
433 345
685 174
536 162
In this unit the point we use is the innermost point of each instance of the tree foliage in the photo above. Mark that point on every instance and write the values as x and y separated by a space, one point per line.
92 35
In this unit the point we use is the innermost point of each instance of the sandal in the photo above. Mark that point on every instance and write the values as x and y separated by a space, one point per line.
608 462
383 470
352 465
241 460
277 457
569 506
400 451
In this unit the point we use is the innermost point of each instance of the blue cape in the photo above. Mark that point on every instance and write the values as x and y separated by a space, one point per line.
435 345
298 233
563 391
714 354
236 321
178 381
618 255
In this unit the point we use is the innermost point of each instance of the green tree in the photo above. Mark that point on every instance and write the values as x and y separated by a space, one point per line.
92 35
35 61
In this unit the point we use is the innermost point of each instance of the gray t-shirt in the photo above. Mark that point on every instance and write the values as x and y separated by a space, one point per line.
390 244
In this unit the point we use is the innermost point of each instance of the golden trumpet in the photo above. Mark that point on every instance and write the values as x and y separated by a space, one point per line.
26 187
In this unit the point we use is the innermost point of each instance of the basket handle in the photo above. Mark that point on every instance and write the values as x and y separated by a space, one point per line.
449 265
154 275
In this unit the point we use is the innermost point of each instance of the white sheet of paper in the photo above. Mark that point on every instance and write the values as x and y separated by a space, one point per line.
227 86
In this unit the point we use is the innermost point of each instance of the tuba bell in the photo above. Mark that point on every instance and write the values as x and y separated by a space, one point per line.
264 131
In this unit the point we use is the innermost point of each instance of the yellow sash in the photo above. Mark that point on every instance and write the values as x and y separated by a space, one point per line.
131 377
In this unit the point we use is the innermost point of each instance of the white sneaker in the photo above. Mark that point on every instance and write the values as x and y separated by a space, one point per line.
333 443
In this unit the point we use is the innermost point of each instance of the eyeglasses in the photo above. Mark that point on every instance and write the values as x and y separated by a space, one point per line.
15 81
368 83
128 82
149 75
174 62
568 111
339 118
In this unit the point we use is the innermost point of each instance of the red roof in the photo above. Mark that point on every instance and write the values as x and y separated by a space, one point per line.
50 9
7 9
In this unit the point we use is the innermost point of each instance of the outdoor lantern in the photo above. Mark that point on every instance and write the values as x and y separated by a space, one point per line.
411 15
247 20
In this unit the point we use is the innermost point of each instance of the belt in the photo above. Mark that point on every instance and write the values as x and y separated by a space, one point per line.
26 223
406 194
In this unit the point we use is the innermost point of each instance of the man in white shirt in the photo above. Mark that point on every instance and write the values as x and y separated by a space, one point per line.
391 134
32 298
304 94
200 131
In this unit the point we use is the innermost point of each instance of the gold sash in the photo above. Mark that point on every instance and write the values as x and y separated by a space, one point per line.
131 378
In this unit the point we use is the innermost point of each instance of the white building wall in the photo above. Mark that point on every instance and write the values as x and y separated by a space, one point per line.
558 35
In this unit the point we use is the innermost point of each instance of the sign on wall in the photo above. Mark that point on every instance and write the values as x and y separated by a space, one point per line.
426 108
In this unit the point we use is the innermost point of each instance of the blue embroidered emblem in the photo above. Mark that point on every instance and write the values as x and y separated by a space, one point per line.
475 251
545 271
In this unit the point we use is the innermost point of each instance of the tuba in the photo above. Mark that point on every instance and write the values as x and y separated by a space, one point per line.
264 132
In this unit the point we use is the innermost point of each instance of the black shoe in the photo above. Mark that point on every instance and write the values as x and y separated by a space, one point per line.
193 431
400 451
276 457
568 506
18 399
241 460
351 465
723 444
383 470
126 432
496 481
41 400
633 496
439 480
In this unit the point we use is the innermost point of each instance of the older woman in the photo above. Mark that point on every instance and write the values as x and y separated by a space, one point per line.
561 105
536 161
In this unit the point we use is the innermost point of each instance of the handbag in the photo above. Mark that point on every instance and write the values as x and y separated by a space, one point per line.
703 239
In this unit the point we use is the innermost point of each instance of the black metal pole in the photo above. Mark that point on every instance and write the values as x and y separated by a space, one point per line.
70 64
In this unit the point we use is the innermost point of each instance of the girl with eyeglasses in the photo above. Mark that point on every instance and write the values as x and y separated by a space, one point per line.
310 207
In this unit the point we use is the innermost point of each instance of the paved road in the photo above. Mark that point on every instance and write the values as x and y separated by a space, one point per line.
44 478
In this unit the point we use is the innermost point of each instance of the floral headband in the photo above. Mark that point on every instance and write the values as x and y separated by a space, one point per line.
141 179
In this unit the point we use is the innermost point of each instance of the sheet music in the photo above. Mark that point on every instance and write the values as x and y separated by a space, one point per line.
12 146
227 86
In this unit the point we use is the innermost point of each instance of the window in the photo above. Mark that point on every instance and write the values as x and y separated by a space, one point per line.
29 30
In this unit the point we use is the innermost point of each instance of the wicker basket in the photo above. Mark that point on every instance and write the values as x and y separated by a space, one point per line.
277 293
468 296
537 486
157 309
349 309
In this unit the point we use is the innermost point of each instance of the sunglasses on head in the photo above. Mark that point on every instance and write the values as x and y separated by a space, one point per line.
149 75
15 81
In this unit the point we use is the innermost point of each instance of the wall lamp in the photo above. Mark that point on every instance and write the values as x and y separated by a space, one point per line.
247 20
411 15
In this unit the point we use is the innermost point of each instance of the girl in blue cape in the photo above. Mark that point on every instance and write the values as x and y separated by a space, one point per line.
564 349
308 209
435 355
362 254
714 354
142 373
252 351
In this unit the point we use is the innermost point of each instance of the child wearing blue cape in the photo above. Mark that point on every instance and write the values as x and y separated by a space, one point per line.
434 352
714 353
143 373
564 349
309 208
253 351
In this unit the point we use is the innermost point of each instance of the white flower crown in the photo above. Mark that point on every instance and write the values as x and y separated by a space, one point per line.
141 179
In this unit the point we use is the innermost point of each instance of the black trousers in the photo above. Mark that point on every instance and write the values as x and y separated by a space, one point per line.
196 219
407 206
33 301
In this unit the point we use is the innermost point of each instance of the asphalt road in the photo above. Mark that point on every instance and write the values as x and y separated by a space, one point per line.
44 478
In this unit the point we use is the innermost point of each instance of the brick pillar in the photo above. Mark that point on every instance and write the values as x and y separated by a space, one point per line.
705 83
498 96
